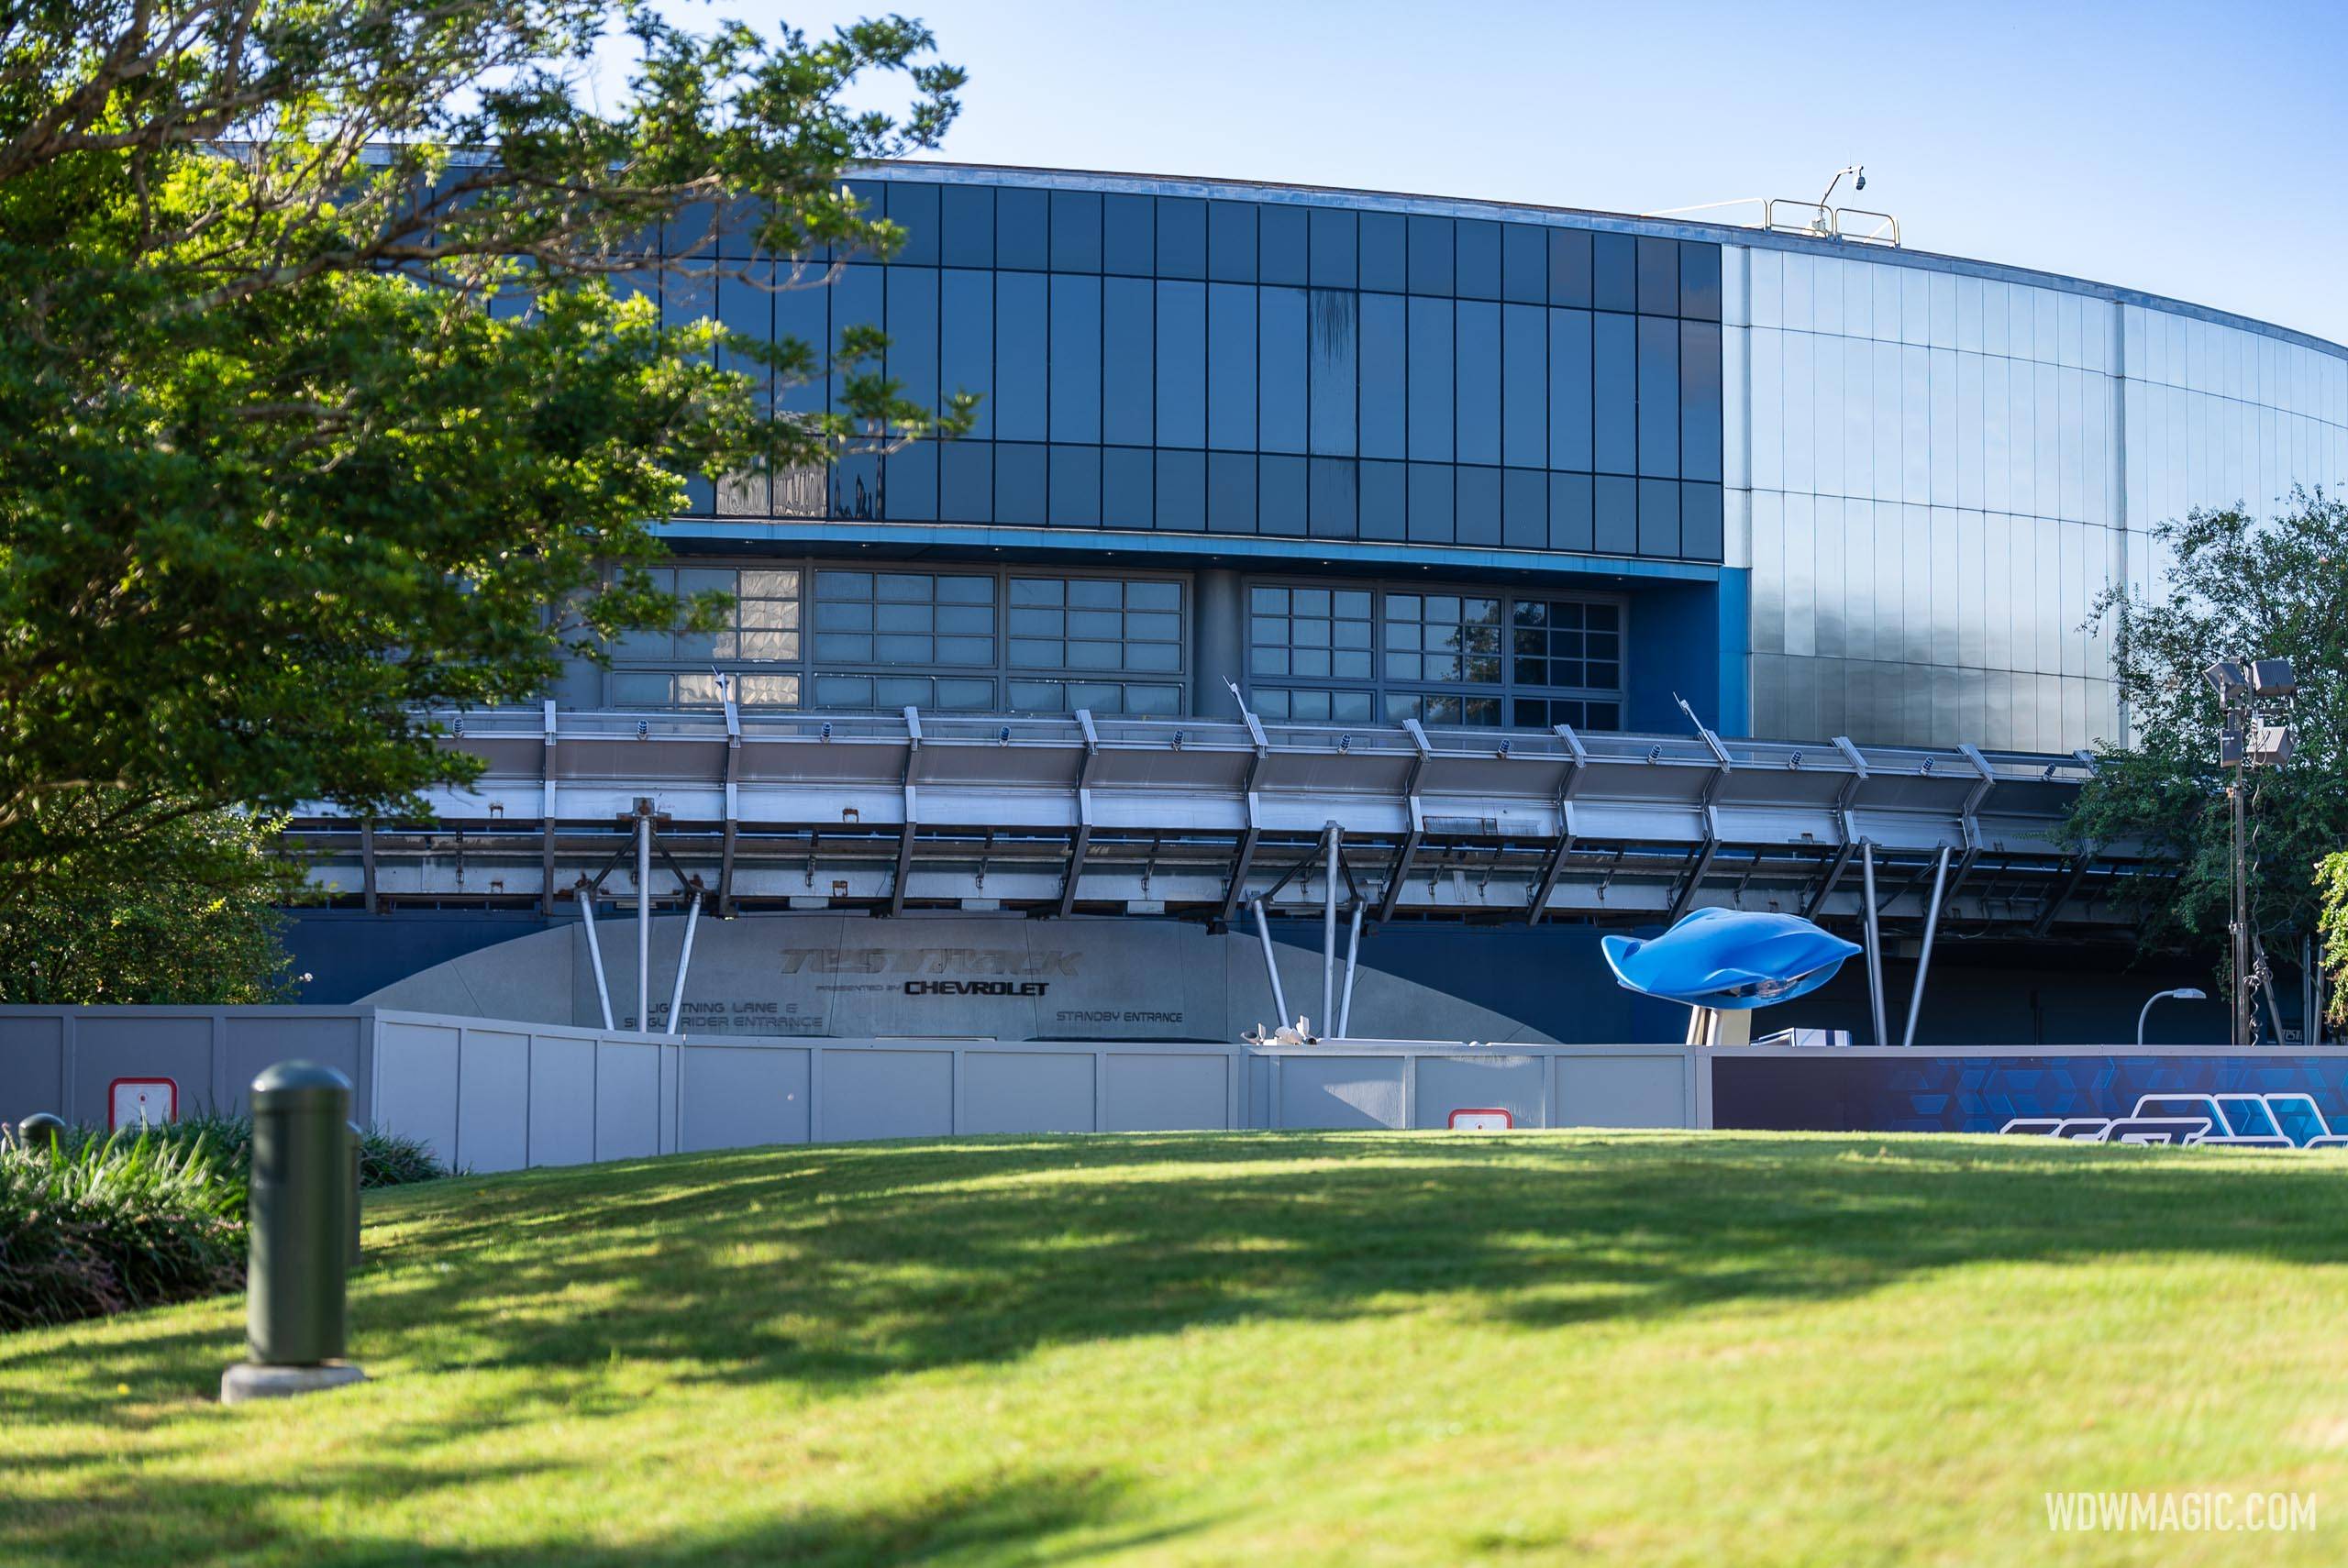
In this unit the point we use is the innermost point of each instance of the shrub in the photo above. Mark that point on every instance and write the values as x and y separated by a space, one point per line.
386 1159
108 1226
92 1223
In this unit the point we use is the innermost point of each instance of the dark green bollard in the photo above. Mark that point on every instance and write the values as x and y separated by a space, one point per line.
40 1130
350 1193
301 1211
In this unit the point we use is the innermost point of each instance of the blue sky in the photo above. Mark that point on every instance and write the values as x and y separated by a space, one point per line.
2188 150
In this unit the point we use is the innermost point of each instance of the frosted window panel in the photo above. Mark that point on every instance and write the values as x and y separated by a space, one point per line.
1884 307
1943 286
1969 430
1768 302
1915 422
1768 406
1944 461
1858 415
1885 376
1799 275
1800 409
1916 309
1968 314
1827 421
1826 290
1858 298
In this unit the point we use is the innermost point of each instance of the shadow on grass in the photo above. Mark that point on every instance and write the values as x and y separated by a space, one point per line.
835 1267
847 1263
989 1521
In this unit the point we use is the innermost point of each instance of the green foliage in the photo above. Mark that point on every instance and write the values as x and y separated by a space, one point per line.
93 1223
325 369
93 1226
183 908
2239 588
385 1158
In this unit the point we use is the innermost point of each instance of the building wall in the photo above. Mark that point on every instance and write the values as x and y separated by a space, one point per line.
1817 487
1946 469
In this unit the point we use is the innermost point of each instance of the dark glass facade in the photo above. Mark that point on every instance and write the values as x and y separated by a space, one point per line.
1195 366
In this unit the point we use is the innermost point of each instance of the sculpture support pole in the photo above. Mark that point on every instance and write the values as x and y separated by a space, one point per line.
1875 943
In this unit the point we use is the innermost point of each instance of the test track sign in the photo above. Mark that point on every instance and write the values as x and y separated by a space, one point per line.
1482 1118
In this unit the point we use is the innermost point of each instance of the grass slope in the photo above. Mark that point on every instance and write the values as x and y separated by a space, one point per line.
1346 1348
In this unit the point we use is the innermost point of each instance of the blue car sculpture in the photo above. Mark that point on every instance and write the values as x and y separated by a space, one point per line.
1729 959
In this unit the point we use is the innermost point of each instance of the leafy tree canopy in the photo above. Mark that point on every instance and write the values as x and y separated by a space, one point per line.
155 904
2239 588
326 366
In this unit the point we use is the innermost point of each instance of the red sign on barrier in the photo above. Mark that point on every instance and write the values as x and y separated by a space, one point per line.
142 1103
1482 1118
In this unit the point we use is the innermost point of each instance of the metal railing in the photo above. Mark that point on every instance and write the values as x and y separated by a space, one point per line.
1813 220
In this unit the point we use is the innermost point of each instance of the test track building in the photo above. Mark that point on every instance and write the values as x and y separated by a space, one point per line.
1464 499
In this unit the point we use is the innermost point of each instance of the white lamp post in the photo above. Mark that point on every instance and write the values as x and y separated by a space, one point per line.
2183 993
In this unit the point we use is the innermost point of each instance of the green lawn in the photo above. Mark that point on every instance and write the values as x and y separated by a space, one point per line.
1345 1348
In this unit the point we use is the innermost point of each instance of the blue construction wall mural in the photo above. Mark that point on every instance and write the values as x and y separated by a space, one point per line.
1838 1092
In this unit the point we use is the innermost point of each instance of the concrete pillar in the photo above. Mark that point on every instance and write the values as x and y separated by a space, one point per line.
1218 642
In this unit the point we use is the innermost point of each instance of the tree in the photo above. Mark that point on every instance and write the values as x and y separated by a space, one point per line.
326 367
182 909
2239 588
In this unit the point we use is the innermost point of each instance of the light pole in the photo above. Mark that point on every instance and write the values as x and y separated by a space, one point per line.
2183 993
2246 742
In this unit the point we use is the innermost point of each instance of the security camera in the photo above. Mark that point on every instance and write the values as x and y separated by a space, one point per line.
1861 181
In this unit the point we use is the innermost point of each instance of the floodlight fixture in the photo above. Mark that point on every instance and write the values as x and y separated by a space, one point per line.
2274 678
2270 746
2227 678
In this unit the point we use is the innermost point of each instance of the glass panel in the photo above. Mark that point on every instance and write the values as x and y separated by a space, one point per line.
1281 237
1020 482
1182 492
1524 509
1231 366
1282 350
1430 499
1022 389
1333 246
1700 281
1231 493
1384 356
1431 255
1478 387
1128 243
1614 396
1617 520
966 482
1700 401
1128 360
1382 501
1478 266
1524 386
1181 237
1658 517
1385 251
1614 271
966 217
1076 486
1330 501
1658 397
1231 241
965 341
1076 231
1569 390
1332 320
1022 229
1477 519
1569 267
1569 513
1125 488
1182 365
1658 276
1076 360
1430 380
1280 490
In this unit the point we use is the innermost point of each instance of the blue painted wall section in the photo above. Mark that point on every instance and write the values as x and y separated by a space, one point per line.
1832 1092
1691 638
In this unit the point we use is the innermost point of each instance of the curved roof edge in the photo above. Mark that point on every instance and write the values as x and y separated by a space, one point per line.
944 172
